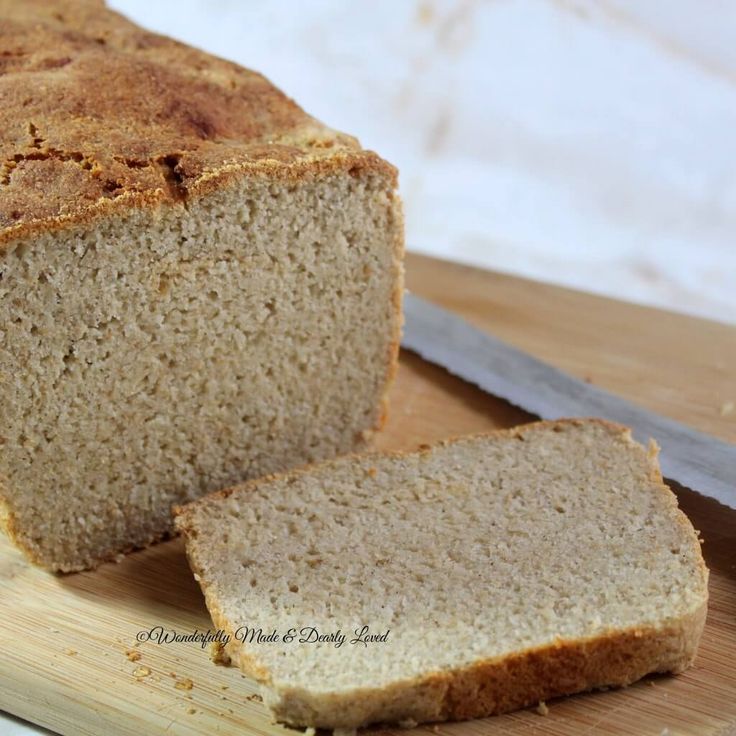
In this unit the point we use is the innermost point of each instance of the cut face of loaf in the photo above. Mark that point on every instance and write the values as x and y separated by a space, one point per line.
161 354
506 569
199 283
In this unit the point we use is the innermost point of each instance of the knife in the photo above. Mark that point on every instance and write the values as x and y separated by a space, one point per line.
691 458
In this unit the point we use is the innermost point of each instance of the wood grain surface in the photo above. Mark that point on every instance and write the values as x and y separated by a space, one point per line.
70 659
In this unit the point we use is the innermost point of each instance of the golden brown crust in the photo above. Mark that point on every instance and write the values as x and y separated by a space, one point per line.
614 659
100 116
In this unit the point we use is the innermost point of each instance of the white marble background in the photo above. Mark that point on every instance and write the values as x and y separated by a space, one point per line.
591 144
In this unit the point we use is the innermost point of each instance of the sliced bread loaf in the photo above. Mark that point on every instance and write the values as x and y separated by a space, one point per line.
495 570
199 283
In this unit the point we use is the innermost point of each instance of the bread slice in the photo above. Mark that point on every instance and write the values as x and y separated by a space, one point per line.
199 283
506 568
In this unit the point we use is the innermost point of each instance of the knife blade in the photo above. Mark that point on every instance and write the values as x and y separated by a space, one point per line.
693 459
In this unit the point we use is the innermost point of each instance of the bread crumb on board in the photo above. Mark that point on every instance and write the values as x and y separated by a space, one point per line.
255 698
71 652
133 655
218 655
185 684
141 672
542 708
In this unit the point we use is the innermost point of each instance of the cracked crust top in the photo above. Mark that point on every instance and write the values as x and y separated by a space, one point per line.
98 114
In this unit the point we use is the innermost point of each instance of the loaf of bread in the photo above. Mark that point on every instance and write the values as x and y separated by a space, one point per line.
199 283
467 579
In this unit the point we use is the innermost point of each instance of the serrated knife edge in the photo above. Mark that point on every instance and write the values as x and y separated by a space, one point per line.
692 458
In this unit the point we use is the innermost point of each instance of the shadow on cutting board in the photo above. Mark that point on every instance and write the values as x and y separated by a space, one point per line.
156 576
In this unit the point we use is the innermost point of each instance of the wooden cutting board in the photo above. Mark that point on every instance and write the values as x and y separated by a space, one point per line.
68 643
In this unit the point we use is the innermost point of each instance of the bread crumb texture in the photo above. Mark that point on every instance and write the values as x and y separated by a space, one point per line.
199 283
509 569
